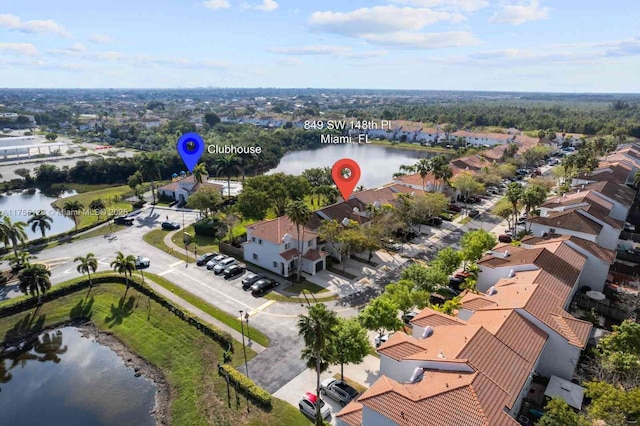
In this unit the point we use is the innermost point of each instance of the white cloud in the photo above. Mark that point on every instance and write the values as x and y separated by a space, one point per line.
26 49
519 12
101 39
216 4
461 5
290 62
13 22
329 50
409 40
77 47
379 20
267 6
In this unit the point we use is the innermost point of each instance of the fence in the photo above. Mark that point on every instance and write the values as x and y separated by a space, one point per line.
230 250
610 311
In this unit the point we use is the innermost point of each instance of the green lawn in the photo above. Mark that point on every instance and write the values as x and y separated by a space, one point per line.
105 195
465 220
218 314
186 357
321 294
156 239
204 244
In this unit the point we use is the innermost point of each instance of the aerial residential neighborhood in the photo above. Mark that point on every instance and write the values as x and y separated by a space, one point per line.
393 213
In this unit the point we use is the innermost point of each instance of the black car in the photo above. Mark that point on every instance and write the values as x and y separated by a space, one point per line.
123 220
250 280
170 226
233 271
262 286
202 260
407 318
474 213
434 221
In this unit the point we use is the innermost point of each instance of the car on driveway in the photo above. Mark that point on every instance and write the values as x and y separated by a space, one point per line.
454 208
170 226
380 339
224 264
407 318
213 262
262 286
202 260
504 238
250 280
307 405
338 390
123 220
474 213
434 221
233 271
142 262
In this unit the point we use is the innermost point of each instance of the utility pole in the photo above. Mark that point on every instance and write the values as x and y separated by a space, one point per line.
244 349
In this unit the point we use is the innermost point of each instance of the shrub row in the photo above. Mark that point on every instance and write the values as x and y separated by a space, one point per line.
246 385
80 283
209 227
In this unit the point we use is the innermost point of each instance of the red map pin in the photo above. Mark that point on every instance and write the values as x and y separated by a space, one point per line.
346 174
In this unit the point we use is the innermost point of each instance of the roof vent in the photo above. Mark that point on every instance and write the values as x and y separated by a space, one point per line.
356 210
512 273
441 355
345 221
417 375
376 204
428 331
492 290
506 253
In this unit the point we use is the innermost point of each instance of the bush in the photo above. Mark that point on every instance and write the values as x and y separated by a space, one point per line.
247 386
210 227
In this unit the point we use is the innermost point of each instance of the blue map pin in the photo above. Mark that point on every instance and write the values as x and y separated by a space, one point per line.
190 146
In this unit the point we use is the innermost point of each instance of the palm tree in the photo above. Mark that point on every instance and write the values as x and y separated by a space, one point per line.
514 195
423 167
441 169
34 280
299 213
87 265
50 346
317 329
124 265
12 232
98 206
41 220
227 165
72 207
150 167
23 258
199 171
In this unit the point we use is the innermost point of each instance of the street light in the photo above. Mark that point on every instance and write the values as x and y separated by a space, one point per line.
244 349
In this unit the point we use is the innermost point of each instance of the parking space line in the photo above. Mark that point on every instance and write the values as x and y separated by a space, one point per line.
163 273
261 307
176 264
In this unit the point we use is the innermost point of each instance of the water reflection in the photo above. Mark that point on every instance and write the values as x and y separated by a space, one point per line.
73 379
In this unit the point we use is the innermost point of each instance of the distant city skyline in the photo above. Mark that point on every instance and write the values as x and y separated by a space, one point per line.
483 45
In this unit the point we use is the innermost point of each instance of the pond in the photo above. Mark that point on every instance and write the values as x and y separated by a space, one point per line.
64 378
20 206
377 163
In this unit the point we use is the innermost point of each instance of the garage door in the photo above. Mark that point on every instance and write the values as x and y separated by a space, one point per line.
319 266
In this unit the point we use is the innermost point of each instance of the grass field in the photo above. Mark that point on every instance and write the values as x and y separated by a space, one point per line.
204 244
321 294
186 357
106 195
156 239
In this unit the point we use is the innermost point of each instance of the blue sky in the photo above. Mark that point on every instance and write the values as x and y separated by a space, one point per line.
520 45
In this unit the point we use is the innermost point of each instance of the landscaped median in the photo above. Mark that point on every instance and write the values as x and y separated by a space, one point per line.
296 293
156 239
180 346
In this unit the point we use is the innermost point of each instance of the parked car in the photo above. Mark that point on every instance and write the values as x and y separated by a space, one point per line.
250 280
504 238
455 283
123 220
434 221
170 226
224 264
307 405
474 213
380 339
233 271
142 262
629 227
213 262
454 208
262 286
202 260
338 390
407 318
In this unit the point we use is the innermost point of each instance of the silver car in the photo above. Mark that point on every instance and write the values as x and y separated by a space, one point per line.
213 262
338 390
307 405
224 264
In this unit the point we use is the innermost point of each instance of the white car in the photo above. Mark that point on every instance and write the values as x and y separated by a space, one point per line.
213 262
142 262
380 339
224 264
307 405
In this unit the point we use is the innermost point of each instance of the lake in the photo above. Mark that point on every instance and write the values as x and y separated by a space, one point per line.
19 206
377 163
63 378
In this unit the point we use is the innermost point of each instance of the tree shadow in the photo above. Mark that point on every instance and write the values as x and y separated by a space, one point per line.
26 326
49 346
83 309
120 312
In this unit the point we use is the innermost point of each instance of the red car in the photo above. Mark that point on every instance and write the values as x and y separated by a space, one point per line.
454 208
504 238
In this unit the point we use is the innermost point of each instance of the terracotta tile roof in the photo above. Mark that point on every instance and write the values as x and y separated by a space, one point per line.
620 193
602 214
289 254
569 219
472 135
602 253
616 172
416 179
433 318
274 230
405 189
314 254
577 198
351 414
338 212
382 195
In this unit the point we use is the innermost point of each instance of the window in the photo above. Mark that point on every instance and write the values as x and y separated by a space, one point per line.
255 256
287 246
253 239
552 230
275 264
260 242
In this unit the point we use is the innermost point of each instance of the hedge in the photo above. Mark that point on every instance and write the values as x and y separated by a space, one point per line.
22 304
209 227
247 386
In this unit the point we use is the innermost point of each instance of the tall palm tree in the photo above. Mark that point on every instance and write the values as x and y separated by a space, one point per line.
49 346
124 265
514 195
423 168
317 330
97 205
23 258
34 280
227 165
199 171
150 163
441 169
72 208
41 220
12 232
299 213
87 265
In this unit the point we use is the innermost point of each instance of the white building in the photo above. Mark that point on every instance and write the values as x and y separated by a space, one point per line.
181 187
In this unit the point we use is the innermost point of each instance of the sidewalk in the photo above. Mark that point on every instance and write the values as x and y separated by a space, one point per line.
202 315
